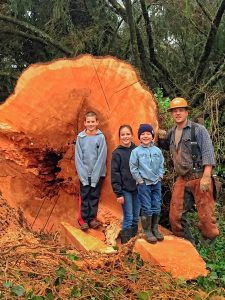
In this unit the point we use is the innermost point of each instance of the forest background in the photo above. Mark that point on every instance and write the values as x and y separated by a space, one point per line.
178 47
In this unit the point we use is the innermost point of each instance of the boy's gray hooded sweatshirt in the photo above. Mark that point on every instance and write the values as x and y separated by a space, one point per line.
90 157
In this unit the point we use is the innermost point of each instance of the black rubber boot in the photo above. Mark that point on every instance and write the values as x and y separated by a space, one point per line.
146 222
155 222
134 230
125 235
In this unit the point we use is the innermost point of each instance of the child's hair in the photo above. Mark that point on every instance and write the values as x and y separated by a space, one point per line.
91 114
125 126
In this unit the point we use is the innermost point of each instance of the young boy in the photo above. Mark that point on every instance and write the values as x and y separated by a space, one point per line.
90 161
146 166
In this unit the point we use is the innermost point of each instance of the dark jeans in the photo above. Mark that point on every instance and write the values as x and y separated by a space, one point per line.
131 210
89 202
150 199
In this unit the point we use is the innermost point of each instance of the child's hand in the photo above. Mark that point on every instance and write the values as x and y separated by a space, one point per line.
120 200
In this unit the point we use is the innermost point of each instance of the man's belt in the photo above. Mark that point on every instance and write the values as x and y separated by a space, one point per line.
192 176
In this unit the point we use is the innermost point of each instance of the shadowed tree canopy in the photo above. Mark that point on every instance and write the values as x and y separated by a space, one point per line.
176 45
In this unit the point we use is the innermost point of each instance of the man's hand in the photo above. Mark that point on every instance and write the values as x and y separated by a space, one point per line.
120 200
205 183
162 134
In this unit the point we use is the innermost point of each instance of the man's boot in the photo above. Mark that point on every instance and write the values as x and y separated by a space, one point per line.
134 230
155 222
189 206
186 228
125 235
146 222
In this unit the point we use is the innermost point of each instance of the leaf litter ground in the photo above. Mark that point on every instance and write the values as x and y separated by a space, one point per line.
35 266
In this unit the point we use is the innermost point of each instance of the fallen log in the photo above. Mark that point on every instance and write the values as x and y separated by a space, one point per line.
39 123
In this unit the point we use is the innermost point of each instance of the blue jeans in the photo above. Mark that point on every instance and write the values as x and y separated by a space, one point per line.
150 198
131 210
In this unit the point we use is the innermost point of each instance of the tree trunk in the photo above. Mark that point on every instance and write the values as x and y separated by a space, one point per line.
209 44
152 53
41 120
133 36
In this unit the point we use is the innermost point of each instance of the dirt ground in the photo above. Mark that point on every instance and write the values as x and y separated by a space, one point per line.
35 266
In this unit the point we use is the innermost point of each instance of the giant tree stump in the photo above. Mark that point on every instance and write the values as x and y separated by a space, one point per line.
39 124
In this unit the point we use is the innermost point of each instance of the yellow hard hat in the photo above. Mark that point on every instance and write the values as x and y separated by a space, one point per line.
178 102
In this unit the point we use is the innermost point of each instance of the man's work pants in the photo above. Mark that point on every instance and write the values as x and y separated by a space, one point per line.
205 205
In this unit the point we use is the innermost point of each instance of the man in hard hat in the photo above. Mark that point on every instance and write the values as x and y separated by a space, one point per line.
193 163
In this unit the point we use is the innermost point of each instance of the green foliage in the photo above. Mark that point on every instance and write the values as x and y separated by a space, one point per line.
75 292
73 256
135 260
8 284
215 263
163 105
29 295
15 290
220 170
179 32
216 132
133 276
213 254
181 281
19 291
61 273
163 102
49 296
145 295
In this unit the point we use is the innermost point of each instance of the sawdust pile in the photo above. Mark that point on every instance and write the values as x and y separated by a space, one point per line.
37 267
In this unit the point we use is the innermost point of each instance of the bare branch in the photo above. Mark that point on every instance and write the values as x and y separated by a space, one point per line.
219 63
145 66
217 76
24 35
211 82
119 9
145 63
209 43
114 35
205 11
10 75
195 26
152 52
37 32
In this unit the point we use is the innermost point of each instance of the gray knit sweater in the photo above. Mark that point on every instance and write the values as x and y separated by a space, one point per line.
90 157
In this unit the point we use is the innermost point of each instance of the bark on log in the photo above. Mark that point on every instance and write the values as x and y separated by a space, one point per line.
40 121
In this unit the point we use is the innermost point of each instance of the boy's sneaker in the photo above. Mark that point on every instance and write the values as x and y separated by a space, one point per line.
94 224
84 226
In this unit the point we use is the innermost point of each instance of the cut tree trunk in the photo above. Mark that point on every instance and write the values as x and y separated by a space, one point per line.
40 122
